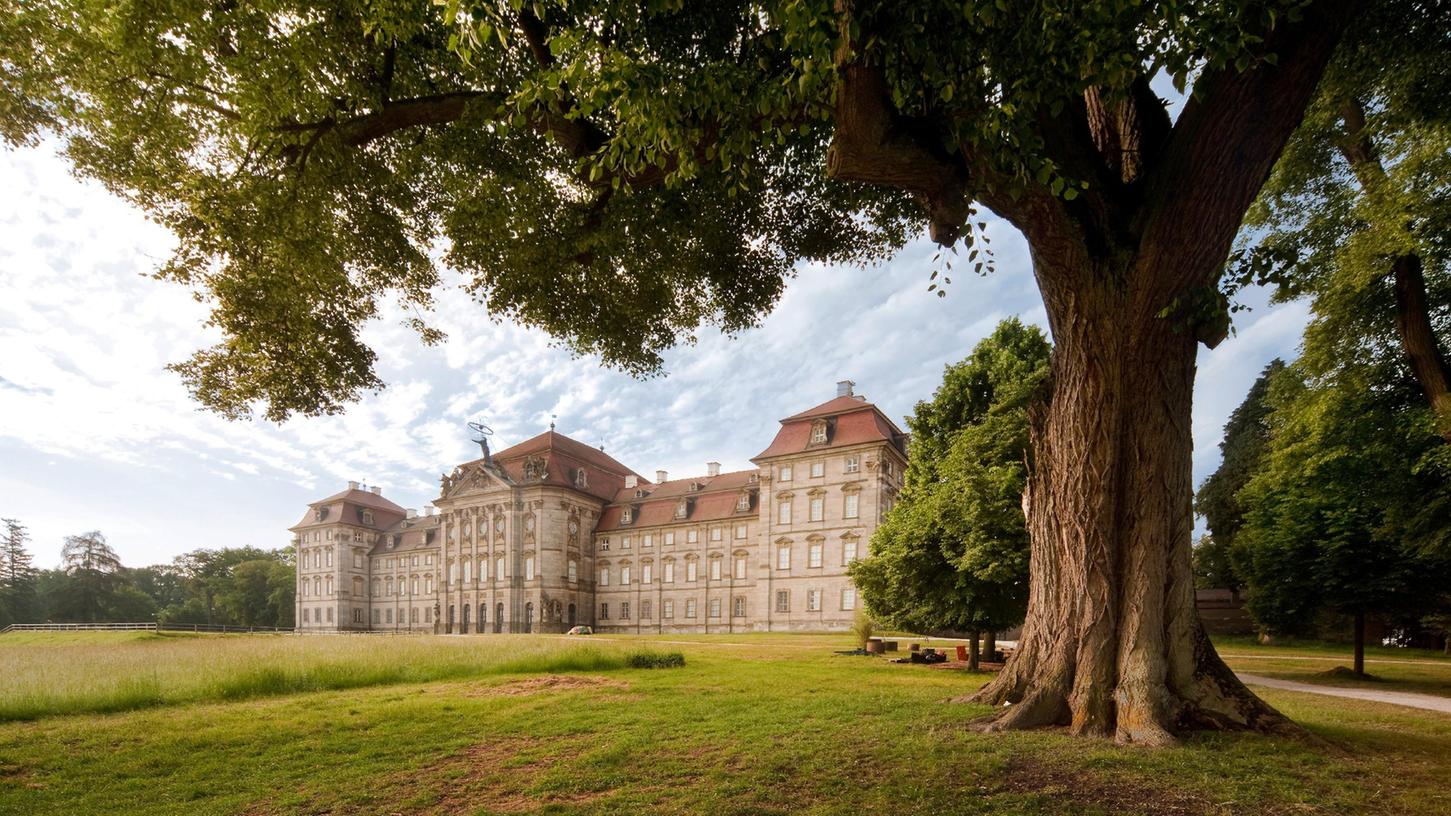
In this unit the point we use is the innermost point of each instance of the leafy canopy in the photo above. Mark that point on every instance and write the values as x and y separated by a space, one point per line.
617 174
953 553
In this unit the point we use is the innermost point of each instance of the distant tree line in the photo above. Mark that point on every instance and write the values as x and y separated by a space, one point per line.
237 586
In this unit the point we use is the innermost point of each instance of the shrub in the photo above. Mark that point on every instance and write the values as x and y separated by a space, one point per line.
655 660
863 627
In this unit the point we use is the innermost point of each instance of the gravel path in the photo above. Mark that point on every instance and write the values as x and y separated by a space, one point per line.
1430 702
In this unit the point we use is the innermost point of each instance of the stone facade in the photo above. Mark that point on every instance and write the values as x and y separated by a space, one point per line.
552 533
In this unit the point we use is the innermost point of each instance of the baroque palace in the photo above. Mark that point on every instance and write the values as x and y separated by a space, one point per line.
552 532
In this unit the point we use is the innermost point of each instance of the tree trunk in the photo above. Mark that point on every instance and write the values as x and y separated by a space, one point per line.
972 651
1112 644
991 647
1413 323
1359 667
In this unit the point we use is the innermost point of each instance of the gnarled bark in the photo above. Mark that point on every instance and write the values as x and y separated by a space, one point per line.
1112 645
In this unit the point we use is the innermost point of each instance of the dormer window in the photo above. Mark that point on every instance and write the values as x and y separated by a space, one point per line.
640 493
682 509
368 517
319 514
818 432
580 479
627 515
744 502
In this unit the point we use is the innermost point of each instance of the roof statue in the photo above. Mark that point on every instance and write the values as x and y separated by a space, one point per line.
480 434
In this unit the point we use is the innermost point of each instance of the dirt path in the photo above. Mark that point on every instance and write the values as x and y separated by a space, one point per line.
1330 659
1430 702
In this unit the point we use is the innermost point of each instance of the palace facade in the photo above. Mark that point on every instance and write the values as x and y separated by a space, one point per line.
552 532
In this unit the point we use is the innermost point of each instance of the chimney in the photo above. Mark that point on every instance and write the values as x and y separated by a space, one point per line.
352 485
412 513
844 388
375 490
661 477
631 480
712 468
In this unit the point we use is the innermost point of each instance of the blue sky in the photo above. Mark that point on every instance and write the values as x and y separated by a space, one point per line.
96 434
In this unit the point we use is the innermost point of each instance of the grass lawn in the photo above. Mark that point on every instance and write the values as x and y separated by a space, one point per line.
1415 670
521 724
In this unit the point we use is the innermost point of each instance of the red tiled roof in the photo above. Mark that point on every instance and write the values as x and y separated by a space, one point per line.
345 507
559 443
840 405
715 501
412 535
857 422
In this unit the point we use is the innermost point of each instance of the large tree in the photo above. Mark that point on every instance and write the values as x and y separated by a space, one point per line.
93 578
618 173
952 554
1323 511
18 600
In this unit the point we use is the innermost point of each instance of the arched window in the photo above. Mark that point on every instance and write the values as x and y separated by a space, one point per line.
647 572
715 568
690 567
317 586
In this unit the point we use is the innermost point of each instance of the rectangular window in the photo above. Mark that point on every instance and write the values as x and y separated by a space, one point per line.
848 598
783 557
783 600
329 614
414 561
740 571
744 502
818 508
573 570
738 608
715 607
715 534
818 469
528 568
625 610
853 464
329 558
670 539
604 576
669 572
785 473
689 607
624 576
428 560
645 610
604 611
647 540
849 508
715 569
740 532
667 609
624 542
357 561
647 573
388 616
428 614
375 616
848 551
783 513
692 536
813 554
813 600
690 571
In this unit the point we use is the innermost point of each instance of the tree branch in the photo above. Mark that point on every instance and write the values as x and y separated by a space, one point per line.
1222 149
437 109
1413 312
873 144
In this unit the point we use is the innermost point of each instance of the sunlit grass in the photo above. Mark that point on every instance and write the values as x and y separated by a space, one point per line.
56 674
